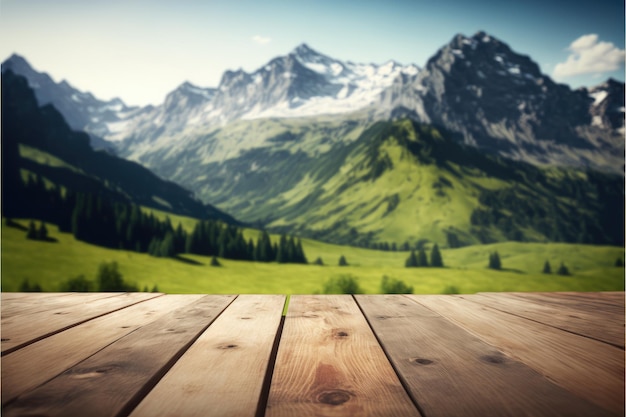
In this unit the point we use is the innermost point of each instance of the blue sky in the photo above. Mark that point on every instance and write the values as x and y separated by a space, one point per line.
141 50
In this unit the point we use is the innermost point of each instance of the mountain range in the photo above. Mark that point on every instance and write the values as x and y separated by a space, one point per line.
362 153
37 141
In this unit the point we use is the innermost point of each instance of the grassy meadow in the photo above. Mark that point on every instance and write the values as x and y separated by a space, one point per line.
49 264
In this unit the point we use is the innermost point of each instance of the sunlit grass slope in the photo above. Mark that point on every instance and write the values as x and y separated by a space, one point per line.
49 264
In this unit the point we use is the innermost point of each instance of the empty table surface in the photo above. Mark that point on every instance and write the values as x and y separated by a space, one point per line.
150 354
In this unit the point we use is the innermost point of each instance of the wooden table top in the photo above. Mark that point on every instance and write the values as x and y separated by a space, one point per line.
147 354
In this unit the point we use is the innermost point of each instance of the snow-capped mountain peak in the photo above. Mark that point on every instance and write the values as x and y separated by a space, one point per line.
317 62
475 86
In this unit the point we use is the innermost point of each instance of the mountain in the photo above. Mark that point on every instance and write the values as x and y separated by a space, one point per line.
475 87
37 140
81 110
477 146
607 110
351 182
498 101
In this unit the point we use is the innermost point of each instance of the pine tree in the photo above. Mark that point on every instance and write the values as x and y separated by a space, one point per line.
494 261
619 262
562 270
166 247
179 239
343 261
435 257
42 232
318 261
300 256
291 250
411 261
32 231
215 262
546 268
282 255
422 259
264 251
154 246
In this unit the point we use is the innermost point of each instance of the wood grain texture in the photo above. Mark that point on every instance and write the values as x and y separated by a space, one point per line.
590 319
21 304
113 381
22 329
606 303
330 364
222 373
590 369
439 360
615 298
39 362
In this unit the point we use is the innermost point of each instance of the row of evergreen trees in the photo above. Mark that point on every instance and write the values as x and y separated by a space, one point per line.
212 239
421 260
100 220
496 263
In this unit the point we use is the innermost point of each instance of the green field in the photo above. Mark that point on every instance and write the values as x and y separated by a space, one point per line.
49 264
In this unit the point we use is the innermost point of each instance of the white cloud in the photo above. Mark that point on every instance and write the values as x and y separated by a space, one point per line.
261 40
590 56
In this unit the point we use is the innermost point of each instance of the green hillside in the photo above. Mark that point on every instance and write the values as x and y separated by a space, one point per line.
49 264
346 182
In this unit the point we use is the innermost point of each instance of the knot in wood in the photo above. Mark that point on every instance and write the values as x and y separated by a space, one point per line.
492 359
340 334
227 346
334 397
422 361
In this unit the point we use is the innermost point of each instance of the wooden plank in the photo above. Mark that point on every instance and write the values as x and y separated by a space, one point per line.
589 321
19 331
113 381
601 302
605 297
438 361
590 369
329 364
30 303
222 373
39 362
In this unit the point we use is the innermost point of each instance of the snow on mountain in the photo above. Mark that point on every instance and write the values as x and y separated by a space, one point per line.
355 86
607 109
300 84
477 86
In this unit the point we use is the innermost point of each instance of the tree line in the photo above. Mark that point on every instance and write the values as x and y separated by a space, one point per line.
99 220
420 259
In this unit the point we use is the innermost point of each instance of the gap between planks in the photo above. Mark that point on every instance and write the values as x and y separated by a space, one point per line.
590 369
33 365
225 369
330 364
22 330
579 319
439 360
115 379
